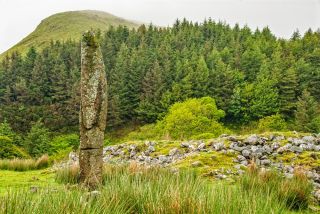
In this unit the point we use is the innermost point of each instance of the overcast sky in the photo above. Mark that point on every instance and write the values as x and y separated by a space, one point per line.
20 17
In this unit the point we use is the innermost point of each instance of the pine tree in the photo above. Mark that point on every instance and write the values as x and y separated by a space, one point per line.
288 85
152 88
307 110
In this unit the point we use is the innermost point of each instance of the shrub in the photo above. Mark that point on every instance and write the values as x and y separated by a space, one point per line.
192 117
316 124
146 132
272 123
64 142
37 140
6 130
8 150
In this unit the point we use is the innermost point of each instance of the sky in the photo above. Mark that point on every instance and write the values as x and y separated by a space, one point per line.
18 18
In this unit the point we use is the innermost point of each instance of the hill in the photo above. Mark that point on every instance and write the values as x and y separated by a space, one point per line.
67 25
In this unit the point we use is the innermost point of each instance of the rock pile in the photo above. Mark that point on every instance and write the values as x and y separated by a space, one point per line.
266 152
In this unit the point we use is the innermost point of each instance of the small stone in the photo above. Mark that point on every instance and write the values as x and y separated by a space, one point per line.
253 139
296 149
246 153
295 141
218 146
201 146
151 149
265 162
184 145
241 158
244 163
309 139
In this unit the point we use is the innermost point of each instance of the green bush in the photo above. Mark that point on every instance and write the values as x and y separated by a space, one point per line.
146 132
64 142
192 117
6 130
272 123
8 150
316 124
37 140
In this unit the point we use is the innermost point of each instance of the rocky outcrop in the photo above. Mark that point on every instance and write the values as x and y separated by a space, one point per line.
279 152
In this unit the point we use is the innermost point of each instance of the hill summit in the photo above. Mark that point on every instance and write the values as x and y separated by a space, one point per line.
67 25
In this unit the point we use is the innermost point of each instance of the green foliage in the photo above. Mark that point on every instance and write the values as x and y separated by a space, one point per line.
272 123
192 117
37 140
8 150
6 130
64 142
306 113
250 75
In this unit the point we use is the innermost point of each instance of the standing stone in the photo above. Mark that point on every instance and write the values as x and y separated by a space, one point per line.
93 111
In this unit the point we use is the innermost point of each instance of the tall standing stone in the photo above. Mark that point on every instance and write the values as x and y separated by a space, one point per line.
93 111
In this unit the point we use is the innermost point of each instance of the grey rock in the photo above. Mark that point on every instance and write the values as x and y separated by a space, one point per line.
309 139
241 158
232 138
246 153
267 149
279 138
265 162
151 149
162 159
296 149
184 145
132 147
141 158
295 141
132 154
275 145
201 146
244 163
218 146
221 176
253 139
316 148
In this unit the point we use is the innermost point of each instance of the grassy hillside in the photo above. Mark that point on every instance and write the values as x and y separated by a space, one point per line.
67 25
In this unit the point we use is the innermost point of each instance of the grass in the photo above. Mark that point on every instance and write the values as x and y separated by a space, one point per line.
25 164
65 26
136 189
18 180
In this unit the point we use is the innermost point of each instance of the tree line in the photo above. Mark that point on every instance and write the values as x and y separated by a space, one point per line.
250 74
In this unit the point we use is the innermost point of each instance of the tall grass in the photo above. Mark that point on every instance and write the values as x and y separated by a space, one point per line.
25 164
136 189
295 193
